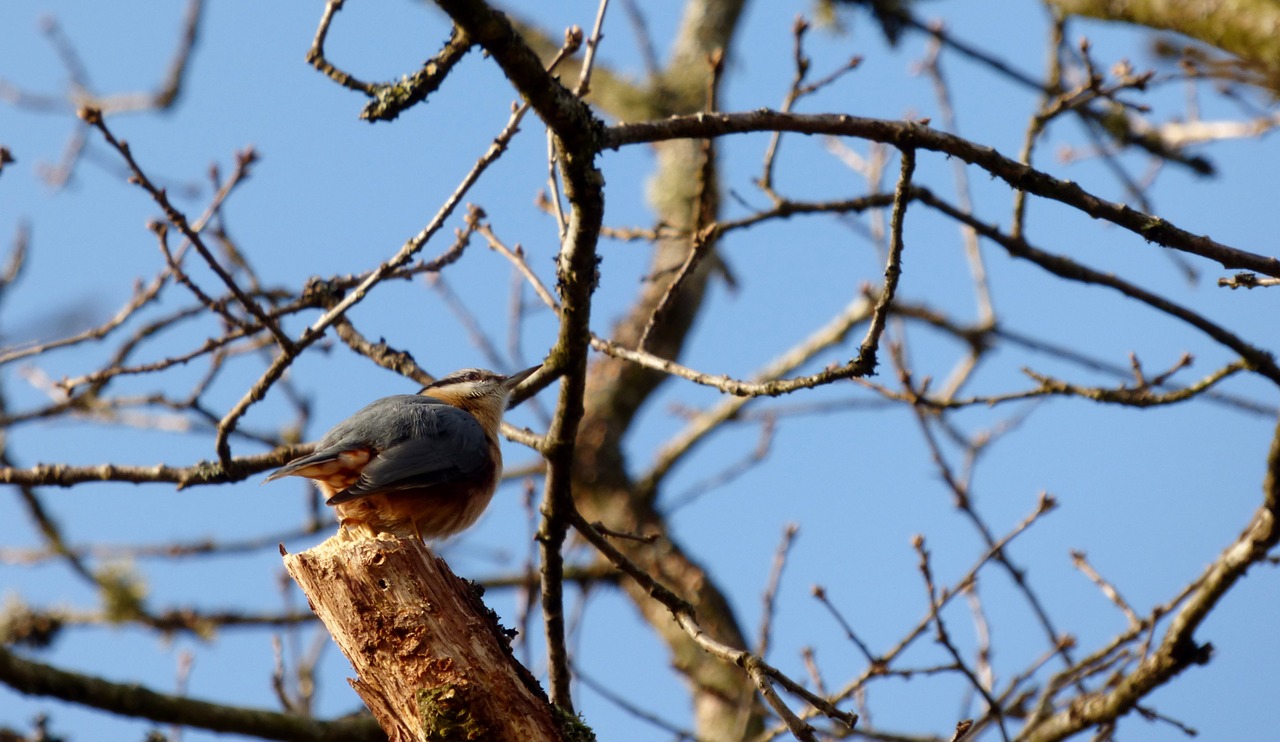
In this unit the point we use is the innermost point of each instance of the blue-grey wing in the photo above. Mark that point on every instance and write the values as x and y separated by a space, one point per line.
420 442
373 428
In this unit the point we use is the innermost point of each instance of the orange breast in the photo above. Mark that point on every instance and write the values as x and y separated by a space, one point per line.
431 512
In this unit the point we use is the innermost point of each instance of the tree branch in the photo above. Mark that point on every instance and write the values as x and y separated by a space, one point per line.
38 679
911 134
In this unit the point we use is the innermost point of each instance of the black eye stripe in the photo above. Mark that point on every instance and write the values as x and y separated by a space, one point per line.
469 376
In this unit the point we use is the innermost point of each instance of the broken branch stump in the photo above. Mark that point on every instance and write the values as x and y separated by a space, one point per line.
431 661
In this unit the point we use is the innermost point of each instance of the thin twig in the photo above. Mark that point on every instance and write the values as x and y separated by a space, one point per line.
94 118
866 360
589 59
704 210
764 675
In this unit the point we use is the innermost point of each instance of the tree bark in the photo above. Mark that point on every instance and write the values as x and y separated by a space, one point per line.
431 661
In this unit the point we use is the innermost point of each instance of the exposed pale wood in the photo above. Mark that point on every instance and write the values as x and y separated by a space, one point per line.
431 660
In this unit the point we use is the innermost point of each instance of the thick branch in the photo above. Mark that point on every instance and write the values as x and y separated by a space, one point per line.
38 679
725 703
576 132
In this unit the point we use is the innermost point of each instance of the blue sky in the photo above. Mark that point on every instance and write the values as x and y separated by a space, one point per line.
1151 496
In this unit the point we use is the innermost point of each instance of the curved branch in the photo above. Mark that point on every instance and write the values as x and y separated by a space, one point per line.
1261 361
1178 649
911 134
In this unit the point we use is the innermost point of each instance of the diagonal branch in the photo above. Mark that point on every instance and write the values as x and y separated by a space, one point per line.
1178 649
912 134
1261 360
93 117
761 673
385 270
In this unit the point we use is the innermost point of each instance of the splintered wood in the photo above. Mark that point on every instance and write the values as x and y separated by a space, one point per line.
431 662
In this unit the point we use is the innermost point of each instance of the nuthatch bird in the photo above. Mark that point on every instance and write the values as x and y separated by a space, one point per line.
422 464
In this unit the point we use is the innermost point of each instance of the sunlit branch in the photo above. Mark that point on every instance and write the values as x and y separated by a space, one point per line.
911 134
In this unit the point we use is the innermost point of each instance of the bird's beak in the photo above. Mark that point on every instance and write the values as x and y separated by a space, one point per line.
513 381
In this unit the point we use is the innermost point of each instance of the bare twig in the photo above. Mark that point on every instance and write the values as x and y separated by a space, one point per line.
94 118
944 639
763 674
704 209
1082 563
866 360
593 45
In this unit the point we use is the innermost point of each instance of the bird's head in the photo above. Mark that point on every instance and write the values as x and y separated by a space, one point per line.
470 388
